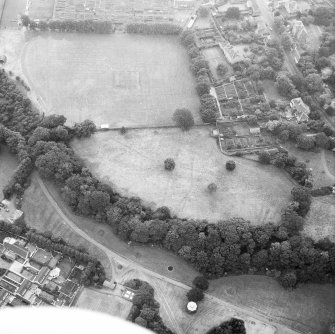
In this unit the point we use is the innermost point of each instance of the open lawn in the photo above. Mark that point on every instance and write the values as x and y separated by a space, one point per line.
308 308
98 300
8 163
320 221
134 164
40 214
270 90
121 80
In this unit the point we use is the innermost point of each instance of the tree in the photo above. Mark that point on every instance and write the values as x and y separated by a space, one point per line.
25 20
314 83
321 140
203 11
302 195
286 41
84 129
203 88
212 187
195 295
230 165
169 164
233 13
201 283
291 220
264 157
305 142
183 118
288 280
222 69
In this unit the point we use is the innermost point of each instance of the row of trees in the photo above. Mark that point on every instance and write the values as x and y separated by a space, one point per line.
233 326
153 28
145 309
200 69
82 26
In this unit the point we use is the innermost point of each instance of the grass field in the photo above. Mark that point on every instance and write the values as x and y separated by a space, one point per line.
134 163
8 163
41 215
271 91
320 220
308 308
121 80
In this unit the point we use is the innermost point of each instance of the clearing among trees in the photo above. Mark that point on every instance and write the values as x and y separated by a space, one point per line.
134 164
8 163
126 81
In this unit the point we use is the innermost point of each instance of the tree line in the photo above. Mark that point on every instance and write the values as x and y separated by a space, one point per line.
153 28
82 26
230 246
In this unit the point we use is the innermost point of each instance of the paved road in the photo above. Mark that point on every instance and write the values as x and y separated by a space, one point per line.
117 257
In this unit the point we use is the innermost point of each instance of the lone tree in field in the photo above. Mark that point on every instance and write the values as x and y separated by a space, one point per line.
183 118
201 283
212 187
233 13
195 295
264 157
222 69
169 164
230 165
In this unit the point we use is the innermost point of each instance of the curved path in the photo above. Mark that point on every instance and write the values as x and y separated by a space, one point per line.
116 257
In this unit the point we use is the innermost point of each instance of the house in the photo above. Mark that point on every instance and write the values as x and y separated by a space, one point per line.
299 32
16 250
3 297
46 297
255 130
301 110
184 3
42 275
104 127
262 29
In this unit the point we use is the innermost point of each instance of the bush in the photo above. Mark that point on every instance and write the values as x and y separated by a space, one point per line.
264 157
288 280
195 295
183 118
201 283
169 164
212 187
222 69
230 165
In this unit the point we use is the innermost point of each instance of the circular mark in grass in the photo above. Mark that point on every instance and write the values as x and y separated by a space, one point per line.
119 266
170 268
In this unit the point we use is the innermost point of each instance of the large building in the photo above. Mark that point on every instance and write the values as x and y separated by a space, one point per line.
301 110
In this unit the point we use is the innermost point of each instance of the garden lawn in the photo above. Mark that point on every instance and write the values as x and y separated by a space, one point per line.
117 79
133 163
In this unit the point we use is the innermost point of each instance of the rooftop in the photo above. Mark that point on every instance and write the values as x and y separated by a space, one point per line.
18 250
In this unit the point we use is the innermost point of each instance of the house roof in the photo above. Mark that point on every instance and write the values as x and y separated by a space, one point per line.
42 274
47 297
299 105
24 287
18 250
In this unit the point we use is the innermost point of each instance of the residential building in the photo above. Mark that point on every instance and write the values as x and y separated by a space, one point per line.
16 250
301 110
299 32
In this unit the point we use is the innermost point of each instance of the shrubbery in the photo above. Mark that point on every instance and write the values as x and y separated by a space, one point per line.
153 28
169 164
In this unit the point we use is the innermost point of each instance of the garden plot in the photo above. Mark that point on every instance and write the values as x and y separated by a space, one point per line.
134 164
120 80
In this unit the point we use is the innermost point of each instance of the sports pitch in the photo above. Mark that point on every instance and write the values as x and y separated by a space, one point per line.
119 79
